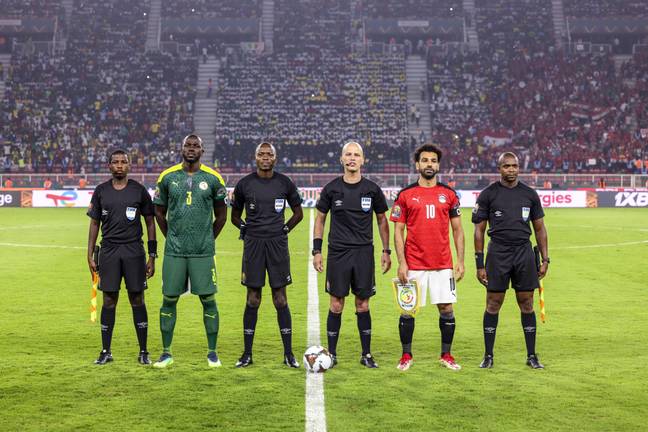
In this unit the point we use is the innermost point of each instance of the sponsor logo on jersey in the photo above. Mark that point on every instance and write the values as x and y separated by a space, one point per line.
476 208
279 204
337 203
442 199
365 204
104 212
130 213
416 199
396 212
203 185
498 213
525 213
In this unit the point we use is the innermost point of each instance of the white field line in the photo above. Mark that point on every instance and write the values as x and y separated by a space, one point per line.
603 245
315 412
40 246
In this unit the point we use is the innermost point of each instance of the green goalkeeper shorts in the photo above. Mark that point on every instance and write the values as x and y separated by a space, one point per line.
181 273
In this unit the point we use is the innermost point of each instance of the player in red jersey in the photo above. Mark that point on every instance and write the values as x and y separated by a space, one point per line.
426 208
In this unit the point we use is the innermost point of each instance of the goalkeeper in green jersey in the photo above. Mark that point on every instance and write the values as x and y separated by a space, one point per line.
186 197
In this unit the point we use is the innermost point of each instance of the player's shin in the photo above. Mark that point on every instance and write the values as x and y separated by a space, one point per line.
140 320
210 319
333 324
406 330
490 328
249 326
168 320
364 328
529 328
447 327
284 320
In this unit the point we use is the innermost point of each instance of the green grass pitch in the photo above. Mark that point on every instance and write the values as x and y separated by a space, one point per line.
593 344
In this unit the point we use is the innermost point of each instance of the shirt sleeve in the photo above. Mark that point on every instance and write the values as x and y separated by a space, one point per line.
161 193
482 208
399 209
238 197
94 209
536 207
294 198
455 206
220 191
380 206
324 201
147 204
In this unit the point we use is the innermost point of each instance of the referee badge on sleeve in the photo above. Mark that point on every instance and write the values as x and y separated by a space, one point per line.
525 213
130 213
365 204
279 204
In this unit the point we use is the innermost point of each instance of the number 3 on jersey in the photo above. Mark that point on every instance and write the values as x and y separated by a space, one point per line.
188 198
429 211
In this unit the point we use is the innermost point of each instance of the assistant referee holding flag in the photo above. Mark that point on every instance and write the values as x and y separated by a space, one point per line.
264 195
508 206
117 207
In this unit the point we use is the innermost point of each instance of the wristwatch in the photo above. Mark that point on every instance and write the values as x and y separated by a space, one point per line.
546 260
387 251
315 252
153 255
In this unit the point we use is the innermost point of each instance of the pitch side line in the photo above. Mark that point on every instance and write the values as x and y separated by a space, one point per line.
41 246
315 412
600 245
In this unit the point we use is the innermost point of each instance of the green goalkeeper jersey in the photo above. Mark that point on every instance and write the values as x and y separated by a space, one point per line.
190 201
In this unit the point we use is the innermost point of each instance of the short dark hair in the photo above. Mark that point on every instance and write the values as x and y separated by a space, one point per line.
118 151
505 155
427 148
192 135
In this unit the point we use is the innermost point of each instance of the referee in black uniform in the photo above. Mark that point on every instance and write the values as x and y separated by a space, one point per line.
264 195
352 200
508 206
116 206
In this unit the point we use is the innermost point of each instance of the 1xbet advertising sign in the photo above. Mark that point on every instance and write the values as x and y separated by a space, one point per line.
623 199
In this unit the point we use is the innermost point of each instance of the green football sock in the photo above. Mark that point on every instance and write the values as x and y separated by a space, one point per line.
168 320
210 319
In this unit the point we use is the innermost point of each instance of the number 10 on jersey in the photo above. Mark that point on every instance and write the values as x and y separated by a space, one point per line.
429 211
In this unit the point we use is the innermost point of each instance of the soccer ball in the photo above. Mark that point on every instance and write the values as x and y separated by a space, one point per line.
317 359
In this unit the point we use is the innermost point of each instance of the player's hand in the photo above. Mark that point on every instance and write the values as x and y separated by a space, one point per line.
385 262
459 271
317 263
543 270
150 267
402 273
482 277
92 265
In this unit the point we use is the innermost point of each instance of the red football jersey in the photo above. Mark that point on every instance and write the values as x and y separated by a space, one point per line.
426 213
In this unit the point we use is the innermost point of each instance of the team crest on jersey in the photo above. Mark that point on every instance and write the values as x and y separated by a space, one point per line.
396 212
157 192
525 213
130 213
442 199
203 185
279 204
365 204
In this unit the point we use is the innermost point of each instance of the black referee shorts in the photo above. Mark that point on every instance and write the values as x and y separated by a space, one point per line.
514 264
261 255
117 261
351 269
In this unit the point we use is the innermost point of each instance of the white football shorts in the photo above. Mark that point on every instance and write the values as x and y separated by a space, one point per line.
436 286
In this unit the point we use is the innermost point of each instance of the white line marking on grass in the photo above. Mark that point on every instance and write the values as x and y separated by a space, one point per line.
315 412
41 246
600 245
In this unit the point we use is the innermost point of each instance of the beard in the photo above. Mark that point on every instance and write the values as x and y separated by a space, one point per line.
427 176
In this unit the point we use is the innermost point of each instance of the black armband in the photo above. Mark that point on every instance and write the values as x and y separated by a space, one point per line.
152 248
317 244
479 260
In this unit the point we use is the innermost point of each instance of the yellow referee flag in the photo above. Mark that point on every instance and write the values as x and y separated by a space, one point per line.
543 314
93 297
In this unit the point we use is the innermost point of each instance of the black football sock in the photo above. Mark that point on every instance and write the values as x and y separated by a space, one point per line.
140 319
249 326
364 327
447 326
333 324
107 326
529 327
490 328
285 327
406 330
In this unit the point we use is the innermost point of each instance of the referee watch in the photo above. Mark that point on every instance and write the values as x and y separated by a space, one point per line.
546 260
